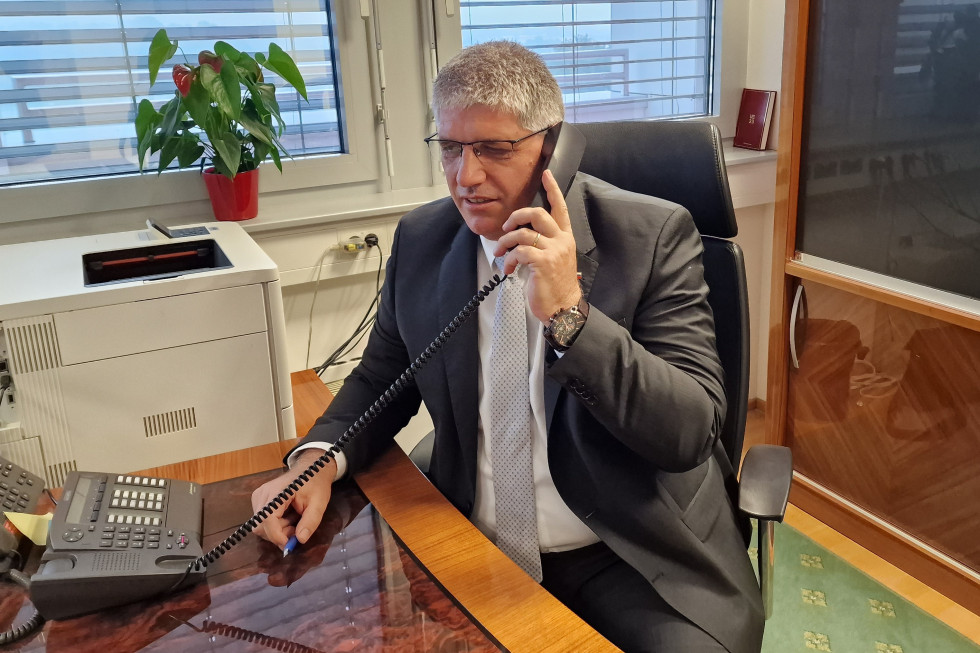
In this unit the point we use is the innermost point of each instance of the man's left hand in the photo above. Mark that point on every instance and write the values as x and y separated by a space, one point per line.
547 249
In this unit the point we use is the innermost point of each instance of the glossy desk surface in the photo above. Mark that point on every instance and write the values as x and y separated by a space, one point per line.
394 567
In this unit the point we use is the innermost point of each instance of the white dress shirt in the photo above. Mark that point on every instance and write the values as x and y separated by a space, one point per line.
558 527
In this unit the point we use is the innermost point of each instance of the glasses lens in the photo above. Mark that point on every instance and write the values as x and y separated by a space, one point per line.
449 150
494 150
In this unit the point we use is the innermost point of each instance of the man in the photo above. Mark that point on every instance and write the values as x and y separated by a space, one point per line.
630 523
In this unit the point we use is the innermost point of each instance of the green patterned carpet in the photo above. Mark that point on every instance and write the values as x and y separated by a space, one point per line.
824 604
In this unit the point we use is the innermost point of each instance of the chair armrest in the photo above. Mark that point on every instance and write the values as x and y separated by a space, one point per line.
763 487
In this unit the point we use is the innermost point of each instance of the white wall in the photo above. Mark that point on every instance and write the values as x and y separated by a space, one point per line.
763 71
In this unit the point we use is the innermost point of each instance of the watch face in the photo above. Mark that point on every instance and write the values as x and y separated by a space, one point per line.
566 326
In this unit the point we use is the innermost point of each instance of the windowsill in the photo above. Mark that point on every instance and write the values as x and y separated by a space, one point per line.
368 205
735 156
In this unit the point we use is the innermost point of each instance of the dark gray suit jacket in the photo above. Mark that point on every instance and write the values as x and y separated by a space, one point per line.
633 408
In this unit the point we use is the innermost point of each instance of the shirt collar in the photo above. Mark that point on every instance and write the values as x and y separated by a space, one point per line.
488 247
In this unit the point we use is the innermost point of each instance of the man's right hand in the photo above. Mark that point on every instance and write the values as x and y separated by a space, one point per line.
308 503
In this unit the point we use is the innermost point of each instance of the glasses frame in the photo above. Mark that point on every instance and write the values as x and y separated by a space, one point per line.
513 142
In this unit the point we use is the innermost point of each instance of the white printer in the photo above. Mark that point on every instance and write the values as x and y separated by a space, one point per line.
131 350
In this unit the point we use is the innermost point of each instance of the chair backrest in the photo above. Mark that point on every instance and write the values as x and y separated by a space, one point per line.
683 162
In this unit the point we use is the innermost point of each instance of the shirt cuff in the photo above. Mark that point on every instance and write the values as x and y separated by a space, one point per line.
339 457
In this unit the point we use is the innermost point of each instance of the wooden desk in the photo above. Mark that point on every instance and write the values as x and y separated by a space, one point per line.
513 610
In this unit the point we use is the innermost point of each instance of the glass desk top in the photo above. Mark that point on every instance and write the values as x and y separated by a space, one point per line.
352 587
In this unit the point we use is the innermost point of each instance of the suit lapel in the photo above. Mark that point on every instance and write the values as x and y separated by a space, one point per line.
587 267
460 355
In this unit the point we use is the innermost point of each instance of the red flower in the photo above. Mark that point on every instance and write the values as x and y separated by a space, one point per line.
206 57
183 77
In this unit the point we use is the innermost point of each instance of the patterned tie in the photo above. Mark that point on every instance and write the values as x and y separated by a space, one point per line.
510 438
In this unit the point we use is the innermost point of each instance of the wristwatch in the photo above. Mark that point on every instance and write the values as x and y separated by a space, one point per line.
565 325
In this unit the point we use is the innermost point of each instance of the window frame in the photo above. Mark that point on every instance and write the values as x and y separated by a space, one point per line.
326 188
62 198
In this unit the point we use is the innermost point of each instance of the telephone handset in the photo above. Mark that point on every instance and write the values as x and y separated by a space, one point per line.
563 148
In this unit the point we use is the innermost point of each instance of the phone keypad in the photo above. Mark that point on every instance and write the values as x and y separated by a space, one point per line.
126 537
19 489
188 231
137 500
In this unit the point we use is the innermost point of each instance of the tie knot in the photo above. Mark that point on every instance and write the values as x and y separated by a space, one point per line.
499 262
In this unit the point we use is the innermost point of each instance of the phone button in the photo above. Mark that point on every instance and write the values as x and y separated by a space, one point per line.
72 536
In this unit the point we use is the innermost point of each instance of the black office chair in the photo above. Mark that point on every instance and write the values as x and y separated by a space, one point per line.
683 162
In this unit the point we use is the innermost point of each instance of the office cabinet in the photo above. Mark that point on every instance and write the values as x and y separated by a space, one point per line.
874 339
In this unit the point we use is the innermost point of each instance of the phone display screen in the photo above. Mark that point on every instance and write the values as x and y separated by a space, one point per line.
77 506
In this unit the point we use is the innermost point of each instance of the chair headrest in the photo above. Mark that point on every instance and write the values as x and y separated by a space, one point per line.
681 162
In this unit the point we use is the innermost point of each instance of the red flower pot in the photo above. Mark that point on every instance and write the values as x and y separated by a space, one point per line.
233 199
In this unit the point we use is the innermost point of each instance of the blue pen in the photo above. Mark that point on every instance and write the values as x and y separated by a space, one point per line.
290 545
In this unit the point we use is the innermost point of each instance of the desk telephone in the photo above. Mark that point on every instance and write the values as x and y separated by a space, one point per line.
115 539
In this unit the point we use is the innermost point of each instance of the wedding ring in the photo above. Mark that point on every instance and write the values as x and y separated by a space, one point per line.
535 243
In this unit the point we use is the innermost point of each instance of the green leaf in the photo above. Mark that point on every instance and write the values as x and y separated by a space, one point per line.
274 153
198 101
190 150
223 88
146 118
229 150
267 97
248 69
172 111
168 153
233 87
283 65
254 100
144 144
226 50
223 169
254 125
161 49
261 151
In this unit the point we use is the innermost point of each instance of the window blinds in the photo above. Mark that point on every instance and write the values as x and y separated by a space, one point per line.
73 71
614 60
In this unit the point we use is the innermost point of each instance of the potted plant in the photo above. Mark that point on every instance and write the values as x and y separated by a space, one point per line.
223 112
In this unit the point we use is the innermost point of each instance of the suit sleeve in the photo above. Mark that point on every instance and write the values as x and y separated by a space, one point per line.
655 384
384 360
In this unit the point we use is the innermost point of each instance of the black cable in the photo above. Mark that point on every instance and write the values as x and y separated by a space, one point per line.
34 622
407 378
368 318
348 344
234 632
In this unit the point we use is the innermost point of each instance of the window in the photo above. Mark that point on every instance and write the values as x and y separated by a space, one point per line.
71 74
617 60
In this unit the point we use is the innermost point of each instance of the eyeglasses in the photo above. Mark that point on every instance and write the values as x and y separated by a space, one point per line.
500 150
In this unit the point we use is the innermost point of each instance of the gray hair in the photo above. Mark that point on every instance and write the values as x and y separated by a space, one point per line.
502 75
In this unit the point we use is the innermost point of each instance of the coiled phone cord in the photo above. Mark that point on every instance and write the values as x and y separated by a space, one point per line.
33 623
407 378
234 632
